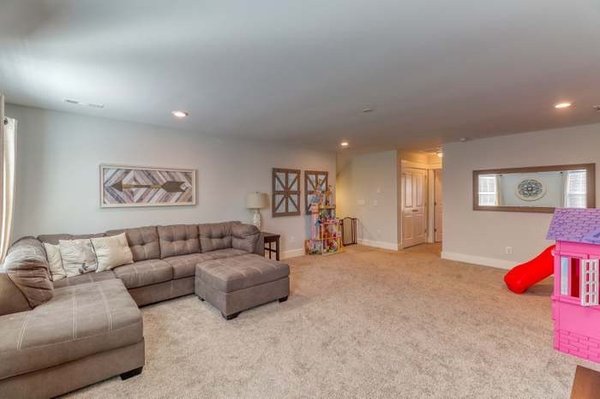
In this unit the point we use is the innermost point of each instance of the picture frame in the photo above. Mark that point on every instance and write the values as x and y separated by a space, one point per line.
286 196
125 186
314 180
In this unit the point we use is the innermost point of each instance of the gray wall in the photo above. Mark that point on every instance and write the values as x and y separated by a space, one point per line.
481 236
58 178
367 189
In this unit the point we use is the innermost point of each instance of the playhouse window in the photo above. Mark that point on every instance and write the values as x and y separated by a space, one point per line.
564 275
569 276
580 278
590 274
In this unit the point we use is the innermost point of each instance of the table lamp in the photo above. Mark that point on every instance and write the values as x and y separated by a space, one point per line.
256 201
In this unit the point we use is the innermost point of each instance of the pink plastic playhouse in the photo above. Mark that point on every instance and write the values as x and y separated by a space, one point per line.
575 300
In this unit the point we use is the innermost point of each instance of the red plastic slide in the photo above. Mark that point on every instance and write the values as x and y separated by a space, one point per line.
523 276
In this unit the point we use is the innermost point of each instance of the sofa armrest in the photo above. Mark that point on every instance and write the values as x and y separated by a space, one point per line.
246 237
260 245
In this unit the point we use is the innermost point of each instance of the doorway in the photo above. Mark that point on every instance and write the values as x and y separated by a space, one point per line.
414 206
438 205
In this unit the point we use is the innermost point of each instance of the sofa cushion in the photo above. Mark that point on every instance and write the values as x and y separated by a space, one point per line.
245 236
215 236
112 251
239 272
178 239
80 321
226 253
85 279
27 267
146 272
143 242
55 238
55 264
78 256
185 265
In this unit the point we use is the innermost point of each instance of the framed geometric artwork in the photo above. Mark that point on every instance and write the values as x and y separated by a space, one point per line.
314 180
134 186
286 192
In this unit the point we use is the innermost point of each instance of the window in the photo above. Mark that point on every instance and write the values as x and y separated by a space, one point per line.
575 192
488 190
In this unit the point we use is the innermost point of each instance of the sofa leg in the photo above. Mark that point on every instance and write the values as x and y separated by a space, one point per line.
230 316
202 299
283 299
131 373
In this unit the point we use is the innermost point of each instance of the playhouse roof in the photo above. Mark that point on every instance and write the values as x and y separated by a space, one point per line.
575 225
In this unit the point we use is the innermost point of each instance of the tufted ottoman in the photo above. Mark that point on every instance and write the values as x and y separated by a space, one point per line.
241 282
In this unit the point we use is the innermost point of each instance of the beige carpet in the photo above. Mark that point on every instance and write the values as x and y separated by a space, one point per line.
363 324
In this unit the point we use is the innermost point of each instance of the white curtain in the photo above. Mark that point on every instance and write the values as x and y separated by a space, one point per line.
8 133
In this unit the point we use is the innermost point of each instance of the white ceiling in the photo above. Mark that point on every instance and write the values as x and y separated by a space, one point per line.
302 71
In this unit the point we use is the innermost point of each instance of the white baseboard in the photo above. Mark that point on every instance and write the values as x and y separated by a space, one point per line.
379 244
479 260
292 253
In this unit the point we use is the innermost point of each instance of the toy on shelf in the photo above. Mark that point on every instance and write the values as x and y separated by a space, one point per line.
326 232
521 277
576 295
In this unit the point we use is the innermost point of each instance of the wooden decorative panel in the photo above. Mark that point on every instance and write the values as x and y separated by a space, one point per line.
286 192
314 180
134 186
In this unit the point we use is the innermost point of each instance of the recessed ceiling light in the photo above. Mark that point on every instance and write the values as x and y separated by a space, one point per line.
344 144
179 114
562 105
367 109
463 139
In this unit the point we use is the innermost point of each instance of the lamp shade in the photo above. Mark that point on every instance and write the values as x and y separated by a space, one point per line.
257 200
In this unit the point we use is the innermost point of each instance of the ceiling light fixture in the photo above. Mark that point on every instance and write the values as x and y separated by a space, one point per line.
440 154
344 144
367 109
563 105
179 114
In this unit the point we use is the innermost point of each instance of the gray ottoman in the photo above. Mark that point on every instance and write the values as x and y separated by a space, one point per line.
241 282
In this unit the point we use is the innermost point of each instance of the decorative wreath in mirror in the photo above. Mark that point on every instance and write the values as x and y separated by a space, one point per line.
531 189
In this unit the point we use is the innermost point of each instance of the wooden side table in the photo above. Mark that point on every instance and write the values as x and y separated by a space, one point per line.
271 238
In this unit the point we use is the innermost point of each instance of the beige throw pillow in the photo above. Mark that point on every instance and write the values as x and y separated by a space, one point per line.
57 271
112 251
78 256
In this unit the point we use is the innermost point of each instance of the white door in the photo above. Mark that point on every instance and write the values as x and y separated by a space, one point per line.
414 207
438 205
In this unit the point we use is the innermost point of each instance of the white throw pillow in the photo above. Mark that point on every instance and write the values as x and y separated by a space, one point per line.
78 256
57 270
112 251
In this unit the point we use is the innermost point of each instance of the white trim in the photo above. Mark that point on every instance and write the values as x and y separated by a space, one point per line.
292 253
479 260
379 244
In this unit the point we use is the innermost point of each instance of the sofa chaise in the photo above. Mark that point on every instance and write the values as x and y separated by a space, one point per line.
59 336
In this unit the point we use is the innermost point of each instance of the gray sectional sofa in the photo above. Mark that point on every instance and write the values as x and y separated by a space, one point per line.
61 336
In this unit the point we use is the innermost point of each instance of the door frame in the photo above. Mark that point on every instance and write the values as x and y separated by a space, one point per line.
426 191
429 167
435 173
